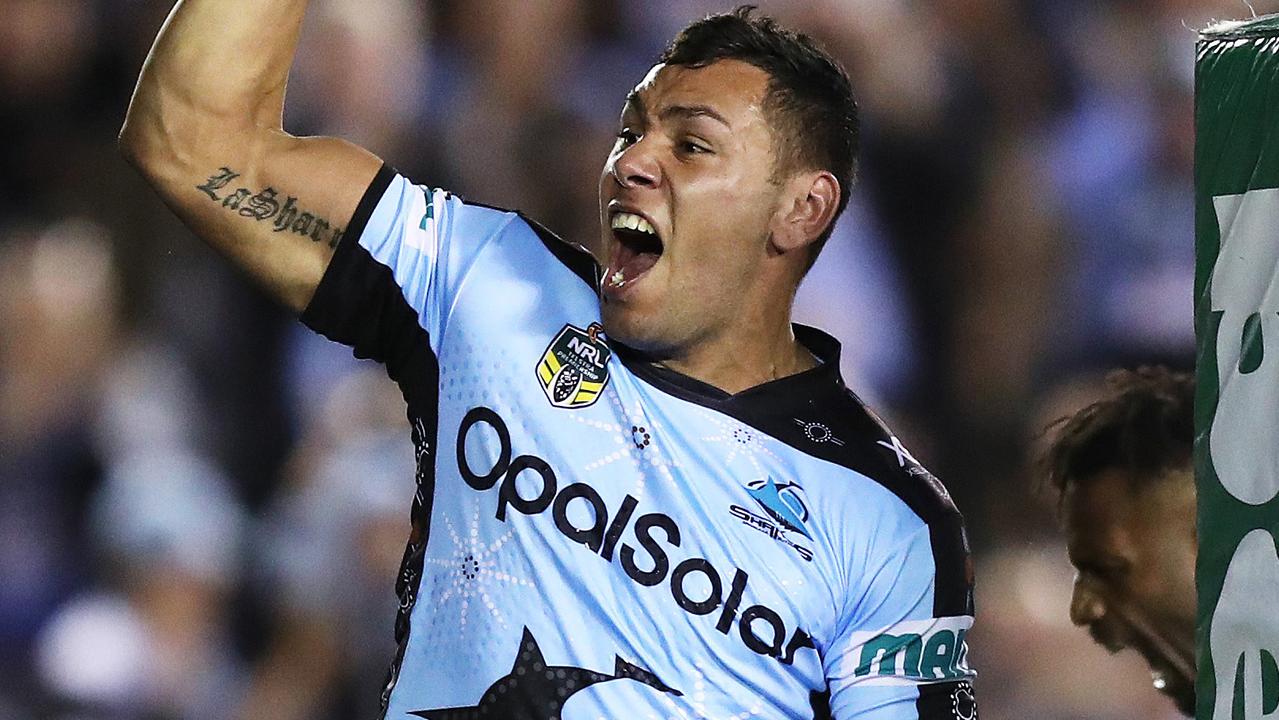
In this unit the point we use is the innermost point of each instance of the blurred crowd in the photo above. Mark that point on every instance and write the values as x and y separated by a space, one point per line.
202 506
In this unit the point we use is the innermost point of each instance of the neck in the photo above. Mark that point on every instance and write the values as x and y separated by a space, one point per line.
750 356
754 344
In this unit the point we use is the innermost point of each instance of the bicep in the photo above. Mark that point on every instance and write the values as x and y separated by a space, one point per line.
275 204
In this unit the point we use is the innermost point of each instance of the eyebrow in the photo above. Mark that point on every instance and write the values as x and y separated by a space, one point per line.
634 101
691 111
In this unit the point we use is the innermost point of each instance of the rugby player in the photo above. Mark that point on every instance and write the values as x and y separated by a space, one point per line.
641 491
1122 475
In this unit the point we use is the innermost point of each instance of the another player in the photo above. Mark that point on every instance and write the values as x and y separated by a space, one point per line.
1121 470
642 492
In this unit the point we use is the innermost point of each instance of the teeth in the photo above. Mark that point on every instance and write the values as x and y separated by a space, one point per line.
631 221
617 279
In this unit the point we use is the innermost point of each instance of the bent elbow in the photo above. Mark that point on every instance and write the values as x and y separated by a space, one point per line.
152 147
140 142
130 143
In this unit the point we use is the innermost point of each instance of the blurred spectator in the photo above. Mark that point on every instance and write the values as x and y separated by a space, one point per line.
153 640
1122 163
331 546
58 328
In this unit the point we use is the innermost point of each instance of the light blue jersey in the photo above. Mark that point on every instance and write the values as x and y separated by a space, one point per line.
595 536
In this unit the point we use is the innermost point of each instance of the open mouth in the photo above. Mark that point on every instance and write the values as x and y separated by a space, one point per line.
636 251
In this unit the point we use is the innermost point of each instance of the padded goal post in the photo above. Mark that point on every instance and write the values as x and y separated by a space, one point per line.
1237 398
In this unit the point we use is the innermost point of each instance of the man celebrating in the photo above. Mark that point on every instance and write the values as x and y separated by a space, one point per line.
1121 470
641 491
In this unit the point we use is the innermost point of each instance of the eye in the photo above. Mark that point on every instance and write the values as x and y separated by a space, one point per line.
627 137
1110 572
692 147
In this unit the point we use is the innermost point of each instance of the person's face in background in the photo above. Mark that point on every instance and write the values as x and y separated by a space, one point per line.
1133 546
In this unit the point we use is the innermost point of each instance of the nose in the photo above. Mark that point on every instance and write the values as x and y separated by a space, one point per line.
636 166
1087 606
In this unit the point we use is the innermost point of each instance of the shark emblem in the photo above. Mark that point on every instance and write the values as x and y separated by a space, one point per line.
534 690
782 503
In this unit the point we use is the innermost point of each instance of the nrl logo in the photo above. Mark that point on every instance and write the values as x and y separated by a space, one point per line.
574 369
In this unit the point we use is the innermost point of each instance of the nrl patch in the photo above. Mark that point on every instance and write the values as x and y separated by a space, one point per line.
574 369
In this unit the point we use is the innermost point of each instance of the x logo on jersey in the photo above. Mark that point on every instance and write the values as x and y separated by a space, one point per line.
899 450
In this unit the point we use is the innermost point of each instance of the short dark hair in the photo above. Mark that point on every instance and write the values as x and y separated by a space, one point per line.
810 100
1144 425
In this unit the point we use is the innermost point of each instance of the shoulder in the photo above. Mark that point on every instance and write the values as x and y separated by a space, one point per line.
434 216
875 452
917 516
880 456
836 426
571 255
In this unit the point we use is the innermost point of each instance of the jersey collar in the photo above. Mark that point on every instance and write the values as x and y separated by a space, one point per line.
778 395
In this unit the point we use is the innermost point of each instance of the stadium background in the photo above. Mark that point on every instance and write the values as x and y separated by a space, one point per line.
202 506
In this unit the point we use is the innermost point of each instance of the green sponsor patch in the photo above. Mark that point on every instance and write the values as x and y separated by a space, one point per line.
918 651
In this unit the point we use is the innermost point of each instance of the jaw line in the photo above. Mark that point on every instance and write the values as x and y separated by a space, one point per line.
1177 660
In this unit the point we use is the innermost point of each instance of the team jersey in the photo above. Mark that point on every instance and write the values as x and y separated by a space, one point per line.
596 536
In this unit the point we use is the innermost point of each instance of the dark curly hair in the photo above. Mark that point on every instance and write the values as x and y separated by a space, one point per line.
810 101
1143 425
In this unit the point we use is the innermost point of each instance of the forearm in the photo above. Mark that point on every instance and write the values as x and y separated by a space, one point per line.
217 66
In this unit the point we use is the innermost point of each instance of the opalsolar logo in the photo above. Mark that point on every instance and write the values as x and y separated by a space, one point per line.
651 558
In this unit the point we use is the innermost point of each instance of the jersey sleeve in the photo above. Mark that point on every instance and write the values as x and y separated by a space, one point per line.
396 268
899 650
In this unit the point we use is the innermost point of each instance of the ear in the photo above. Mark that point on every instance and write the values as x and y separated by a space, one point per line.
807 209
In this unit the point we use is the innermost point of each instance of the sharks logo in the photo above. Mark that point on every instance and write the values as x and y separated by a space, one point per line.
785 512
534 690
783 503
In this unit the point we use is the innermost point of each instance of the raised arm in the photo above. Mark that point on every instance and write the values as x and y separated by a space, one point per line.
205 129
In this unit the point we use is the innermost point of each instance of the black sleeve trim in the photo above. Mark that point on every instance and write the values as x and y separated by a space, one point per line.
947 701
313 315
359 303
368 203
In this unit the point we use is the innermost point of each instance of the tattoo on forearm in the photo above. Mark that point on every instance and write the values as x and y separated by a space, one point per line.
284 213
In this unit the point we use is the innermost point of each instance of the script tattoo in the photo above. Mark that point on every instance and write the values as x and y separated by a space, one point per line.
284 214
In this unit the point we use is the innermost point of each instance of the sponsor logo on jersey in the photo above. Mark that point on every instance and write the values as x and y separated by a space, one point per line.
784 503
574 369
907 462
911 652
784 512
694 583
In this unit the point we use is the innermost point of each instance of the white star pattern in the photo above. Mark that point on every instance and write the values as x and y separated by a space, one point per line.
741 441
472 570
697 702
633 441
